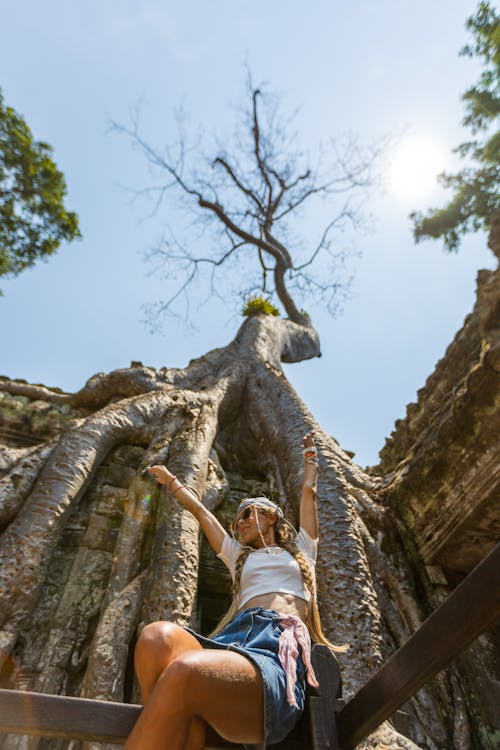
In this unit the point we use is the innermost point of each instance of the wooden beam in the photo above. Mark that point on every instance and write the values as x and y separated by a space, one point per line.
466 613
42 715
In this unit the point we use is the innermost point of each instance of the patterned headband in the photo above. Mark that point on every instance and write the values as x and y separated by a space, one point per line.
260 502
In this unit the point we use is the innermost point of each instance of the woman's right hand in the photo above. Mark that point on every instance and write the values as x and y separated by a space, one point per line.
160 473
210 525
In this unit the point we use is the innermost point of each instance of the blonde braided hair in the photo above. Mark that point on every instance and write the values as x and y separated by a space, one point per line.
313 621
286 540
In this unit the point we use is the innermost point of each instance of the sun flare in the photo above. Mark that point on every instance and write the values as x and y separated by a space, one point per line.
416 162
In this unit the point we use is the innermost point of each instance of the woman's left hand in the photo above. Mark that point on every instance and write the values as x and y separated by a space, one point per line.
308 439
308 512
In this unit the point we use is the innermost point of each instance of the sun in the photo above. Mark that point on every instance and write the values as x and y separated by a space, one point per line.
415 164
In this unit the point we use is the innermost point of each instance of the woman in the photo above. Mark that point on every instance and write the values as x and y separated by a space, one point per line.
248 680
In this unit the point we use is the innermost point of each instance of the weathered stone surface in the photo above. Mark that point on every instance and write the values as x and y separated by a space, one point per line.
441 475
24 422
442 462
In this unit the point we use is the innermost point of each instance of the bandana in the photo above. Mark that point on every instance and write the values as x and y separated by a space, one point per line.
262 503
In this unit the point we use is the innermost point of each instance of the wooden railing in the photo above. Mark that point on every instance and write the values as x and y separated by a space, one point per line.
469 610
327 725
41 715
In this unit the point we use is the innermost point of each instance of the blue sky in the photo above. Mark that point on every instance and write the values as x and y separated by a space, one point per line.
370 68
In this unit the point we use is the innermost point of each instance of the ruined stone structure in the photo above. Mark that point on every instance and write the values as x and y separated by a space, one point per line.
89 550
442 460
441 469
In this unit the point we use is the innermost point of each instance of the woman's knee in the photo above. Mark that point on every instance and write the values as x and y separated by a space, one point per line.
184 678
157 642
213 686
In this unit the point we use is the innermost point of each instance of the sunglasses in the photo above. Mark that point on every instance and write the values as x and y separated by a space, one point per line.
245 513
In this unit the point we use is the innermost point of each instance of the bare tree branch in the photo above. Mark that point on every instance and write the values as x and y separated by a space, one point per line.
237 181
256 135
247 196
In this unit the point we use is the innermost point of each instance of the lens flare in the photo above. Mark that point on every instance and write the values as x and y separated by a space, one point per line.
10 670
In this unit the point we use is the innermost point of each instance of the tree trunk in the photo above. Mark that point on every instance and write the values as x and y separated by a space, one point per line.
91 550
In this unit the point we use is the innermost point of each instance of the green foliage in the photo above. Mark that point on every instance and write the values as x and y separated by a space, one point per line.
476 187
33 219
259 304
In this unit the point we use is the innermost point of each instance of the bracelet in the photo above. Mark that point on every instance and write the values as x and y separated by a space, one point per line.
172 492
169 485
310 456
180 487
310 449
313 461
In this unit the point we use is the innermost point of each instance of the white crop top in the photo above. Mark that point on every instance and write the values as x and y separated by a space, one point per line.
267 572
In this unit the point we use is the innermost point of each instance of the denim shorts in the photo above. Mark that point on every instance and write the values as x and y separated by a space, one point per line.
255 633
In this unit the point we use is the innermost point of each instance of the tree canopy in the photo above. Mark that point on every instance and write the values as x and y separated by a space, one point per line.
245 194
33 218
476 187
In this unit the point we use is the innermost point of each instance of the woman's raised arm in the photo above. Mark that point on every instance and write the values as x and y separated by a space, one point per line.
308 509
211 527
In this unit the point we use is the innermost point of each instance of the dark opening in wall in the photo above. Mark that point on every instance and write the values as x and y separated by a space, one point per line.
214 589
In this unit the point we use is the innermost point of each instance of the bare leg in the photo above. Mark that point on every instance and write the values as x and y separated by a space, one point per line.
196 736
158 645
220 687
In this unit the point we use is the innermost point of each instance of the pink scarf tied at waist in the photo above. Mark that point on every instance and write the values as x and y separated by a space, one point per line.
295 634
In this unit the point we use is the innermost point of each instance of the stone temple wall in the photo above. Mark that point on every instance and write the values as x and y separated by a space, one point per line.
442 462
441 473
